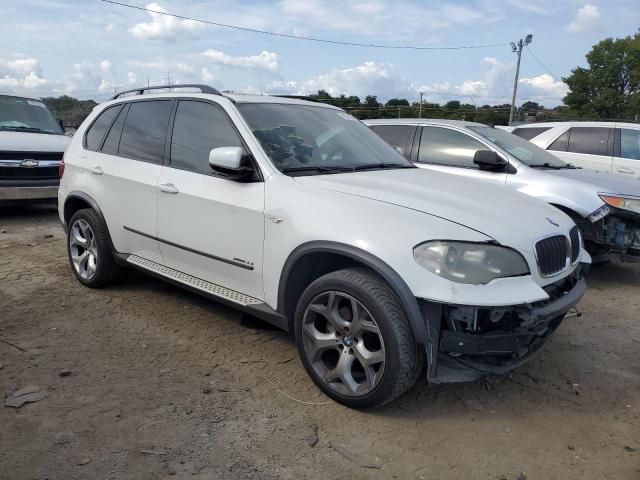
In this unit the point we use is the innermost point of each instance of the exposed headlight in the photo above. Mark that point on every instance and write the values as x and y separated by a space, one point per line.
621 202
475 263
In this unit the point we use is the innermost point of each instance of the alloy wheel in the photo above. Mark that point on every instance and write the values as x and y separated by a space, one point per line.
343 343
83 249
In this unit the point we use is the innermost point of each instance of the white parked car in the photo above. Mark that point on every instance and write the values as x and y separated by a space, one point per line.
606 207
609 147
32 144
297 213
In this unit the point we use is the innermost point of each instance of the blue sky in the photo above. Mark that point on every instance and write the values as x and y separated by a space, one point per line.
88 48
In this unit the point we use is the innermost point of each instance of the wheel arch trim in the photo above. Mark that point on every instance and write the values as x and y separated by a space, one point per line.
408 301
94 205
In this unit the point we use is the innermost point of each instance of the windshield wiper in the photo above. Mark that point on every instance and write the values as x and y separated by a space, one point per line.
383 165
24 129
547 165
316 168
554 167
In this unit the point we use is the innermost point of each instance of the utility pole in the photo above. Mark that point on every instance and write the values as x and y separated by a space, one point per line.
517 48
420 115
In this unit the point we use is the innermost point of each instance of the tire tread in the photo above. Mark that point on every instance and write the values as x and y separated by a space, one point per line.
108 270
410 357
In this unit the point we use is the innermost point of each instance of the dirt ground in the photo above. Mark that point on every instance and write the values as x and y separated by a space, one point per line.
161 383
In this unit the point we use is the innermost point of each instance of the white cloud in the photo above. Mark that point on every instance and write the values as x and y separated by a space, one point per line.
496 85
20 66
21 73
264 60
545 84
164 65
473 88
585 19
397 20
493 87
164 27
132 78
282 87
365 79
207 76
106 67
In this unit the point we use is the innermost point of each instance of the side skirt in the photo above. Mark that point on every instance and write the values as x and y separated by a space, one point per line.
218 293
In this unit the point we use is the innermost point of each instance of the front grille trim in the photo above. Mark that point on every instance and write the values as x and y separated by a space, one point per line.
574 236
20 155
553 254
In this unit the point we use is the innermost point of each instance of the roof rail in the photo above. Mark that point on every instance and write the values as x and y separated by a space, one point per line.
140 91
300 97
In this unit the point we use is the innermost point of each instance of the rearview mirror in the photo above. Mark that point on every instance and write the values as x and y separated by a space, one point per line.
228 161
489 160
61 123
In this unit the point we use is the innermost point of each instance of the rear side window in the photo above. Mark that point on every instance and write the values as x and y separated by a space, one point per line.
112 142
529 133
144 131
589 140
630 143
198 128
443 146
397 136
561 143
97 130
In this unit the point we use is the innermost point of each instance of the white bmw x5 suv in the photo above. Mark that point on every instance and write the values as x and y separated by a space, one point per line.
297 213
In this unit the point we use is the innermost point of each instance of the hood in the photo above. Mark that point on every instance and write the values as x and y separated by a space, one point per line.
507 216
32 142
603 182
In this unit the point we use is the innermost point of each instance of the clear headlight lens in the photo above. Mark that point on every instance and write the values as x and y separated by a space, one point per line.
474 263
623 203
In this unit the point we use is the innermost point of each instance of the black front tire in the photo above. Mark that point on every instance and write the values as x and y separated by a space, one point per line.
404 359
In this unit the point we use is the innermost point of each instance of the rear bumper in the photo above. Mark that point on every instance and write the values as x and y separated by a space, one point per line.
493 341
28 193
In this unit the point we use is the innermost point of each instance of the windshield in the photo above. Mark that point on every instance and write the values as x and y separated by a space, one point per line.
523 150
26 115
309 140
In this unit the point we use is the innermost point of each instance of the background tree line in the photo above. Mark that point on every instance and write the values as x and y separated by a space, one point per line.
71 110
608 88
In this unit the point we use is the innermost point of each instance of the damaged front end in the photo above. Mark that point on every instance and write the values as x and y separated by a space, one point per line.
611 229
467 343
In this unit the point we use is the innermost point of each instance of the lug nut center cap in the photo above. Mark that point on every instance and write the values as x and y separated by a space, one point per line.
347 340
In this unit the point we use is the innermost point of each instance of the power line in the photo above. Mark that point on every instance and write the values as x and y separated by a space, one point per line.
555 77
300 37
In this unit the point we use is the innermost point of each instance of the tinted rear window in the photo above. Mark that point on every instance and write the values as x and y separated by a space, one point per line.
529 133
561 143
96 131
144 131
112 142
590 140
397 136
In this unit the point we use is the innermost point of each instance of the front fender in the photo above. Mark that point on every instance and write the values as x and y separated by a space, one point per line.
388 274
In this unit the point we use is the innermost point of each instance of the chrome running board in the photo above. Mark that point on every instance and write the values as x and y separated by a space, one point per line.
193 282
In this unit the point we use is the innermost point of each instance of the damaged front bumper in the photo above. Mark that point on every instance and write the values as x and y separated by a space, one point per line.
617 231
466 343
